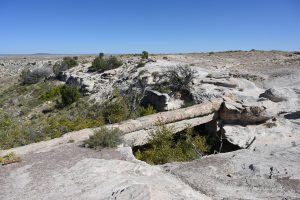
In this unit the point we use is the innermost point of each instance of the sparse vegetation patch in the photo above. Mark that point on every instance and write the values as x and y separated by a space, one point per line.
104 138
165 146
67 63
101 64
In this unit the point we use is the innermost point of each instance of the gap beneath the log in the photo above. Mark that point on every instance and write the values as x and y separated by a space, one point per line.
192 143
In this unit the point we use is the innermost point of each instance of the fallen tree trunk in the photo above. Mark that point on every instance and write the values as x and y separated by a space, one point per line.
129 126
169 116
141 137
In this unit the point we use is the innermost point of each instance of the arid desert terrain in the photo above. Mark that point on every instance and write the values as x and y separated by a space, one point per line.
242 109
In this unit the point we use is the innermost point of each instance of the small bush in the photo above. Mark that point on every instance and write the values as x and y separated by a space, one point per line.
145 55
35 76
67 63
15 131
116 110
180 78
101 64
101 55
140 64
69 94
51 94
104 138
143 111
165 146
297 52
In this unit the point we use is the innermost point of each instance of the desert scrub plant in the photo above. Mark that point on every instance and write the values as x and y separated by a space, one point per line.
117 109
69 94
143 111
35 76
140 64
165 146
180 78
18 130
67 63
104 138
101 64
101 55
52 93
145 55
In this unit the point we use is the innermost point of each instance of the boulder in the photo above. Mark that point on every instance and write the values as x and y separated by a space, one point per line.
74 80
161 101
63 76
275 94
87 86
204 93
236 113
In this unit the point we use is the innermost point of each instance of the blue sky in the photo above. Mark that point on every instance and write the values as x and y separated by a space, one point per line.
158 26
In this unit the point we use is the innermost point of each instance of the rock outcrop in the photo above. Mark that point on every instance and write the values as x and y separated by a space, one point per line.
220 82
275 94
266 173
160 101
236 113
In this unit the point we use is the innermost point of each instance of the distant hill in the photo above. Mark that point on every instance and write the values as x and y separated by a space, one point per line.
41 54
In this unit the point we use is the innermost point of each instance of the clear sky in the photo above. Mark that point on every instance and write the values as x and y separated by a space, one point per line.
158 26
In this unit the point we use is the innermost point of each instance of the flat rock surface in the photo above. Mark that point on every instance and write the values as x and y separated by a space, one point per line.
245 174
72 172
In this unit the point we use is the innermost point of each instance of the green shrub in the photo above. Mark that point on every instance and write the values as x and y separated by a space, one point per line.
101 64
143 111
10 132
17 131
116 110
58 125
296 52
101 55
145 55
104 138
51 94
165 146
140 64
67 63
113 62
69 94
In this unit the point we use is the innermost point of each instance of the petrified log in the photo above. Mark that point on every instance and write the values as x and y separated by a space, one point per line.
147 122
169 116
141 137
